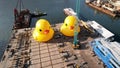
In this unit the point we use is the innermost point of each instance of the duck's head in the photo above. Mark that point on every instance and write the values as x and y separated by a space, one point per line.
69 26
69 22
43 26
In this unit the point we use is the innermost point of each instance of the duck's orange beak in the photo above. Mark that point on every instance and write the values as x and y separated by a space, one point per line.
46 31
71 27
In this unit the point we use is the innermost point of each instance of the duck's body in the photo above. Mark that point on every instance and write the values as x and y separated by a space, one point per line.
42 37
67 31
68 26
43 31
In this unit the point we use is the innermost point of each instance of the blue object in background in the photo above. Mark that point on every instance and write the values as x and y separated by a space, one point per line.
105 55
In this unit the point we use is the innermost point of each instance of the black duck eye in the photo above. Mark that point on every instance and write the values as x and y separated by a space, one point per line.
65 24
40 30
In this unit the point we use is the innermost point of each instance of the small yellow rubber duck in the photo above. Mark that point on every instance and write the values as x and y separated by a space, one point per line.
43 31
68 26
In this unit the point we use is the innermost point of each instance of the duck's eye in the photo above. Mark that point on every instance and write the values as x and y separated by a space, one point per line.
40 30
66 24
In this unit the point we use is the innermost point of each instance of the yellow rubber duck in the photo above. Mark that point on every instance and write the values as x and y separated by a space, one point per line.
68 26
43 31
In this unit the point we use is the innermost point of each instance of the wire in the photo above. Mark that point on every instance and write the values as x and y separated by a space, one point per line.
19 5
75 42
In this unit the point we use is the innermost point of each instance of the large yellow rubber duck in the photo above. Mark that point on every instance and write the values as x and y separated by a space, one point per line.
43 31
68 26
